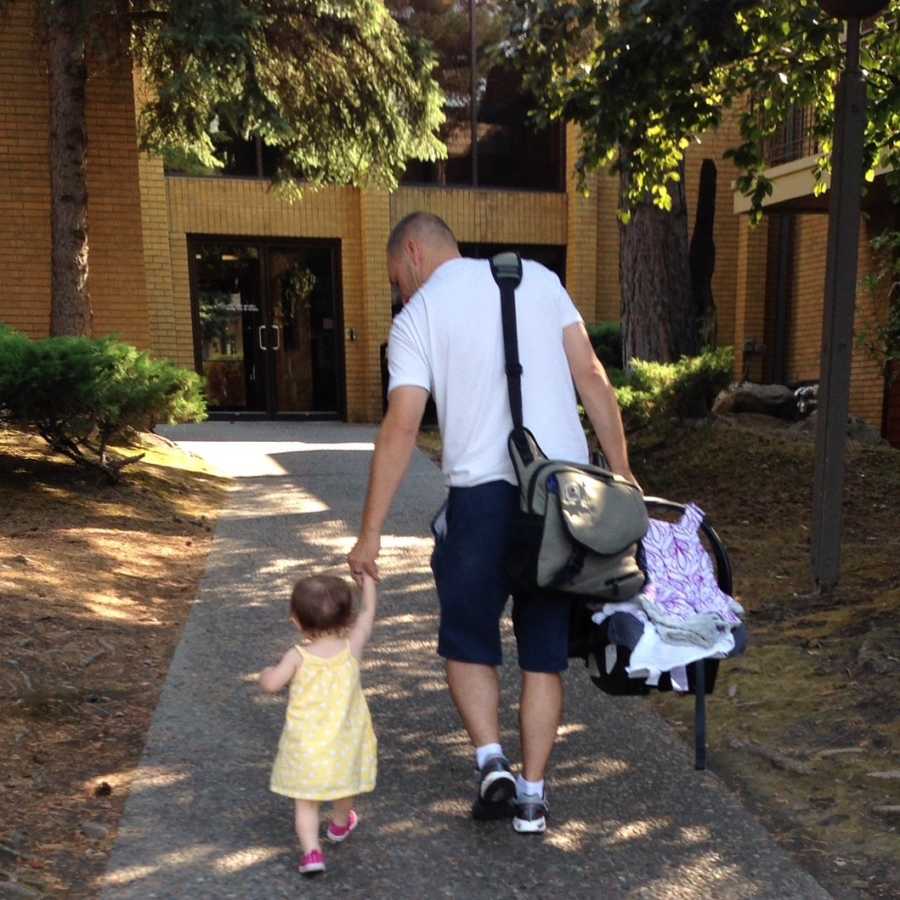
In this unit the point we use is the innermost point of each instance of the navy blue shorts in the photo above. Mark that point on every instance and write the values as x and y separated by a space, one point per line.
472 585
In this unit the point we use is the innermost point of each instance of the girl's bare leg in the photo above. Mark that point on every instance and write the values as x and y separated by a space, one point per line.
306 821
341 811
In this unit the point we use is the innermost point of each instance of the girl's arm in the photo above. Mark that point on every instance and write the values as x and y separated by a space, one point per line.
362 627
273 678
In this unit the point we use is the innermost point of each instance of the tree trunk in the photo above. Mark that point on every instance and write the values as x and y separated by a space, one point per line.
655 280
71 312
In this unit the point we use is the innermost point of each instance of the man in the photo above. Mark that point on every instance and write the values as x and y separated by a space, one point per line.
448 342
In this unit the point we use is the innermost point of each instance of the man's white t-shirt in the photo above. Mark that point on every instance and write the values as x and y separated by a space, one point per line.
449 340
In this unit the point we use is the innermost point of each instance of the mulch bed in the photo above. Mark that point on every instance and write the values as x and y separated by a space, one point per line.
96 582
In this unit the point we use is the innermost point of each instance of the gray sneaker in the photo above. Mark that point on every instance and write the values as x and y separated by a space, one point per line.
496 789
530 813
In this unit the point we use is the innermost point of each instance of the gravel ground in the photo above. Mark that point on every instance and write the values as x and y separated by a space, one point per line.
630 816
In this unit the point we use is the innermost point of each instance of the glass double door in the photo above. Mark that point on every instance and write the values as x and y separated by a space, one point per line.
267 325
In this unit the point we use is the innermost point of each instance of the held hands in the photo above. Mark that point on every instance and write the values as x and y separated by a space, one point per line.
362 558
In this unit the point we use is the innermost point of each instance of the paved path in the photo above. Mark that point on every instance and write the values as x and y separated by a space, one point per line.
631 818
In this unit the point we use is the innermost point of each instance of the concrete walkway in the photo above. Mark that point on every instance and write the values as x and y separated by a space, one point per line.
630 816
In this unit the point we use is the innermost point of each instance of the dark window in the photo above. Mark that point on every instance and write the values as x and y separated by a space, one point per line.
510 151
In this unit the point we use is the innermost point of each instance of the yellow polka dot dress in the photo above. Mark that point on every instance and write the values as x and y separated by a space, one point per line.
327 748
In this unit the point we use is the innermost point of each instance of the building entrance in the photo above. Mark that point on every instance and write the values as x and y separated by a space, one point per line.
267 325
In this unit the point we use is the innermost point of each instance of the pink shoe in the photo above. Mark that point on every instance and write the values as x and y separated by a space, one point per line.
338 833
312 863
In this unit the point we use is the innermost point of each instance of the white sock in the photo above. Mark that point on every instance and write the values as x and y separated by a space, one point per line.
485 752
535 788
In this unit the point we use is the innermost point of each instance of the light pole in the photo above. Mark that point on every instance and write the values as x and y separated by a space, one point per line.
840 296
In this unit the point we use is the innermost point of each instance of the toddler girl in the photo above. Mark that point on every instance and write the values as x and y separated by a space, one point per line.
327 749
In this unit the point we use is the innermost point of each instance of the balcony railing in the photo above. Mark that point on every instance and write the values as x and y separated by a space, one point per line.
794 139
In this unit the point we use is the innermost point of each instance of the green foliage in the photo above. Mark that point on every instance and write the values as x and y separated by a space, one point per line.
646 78
79 394
606 338
654 393
344 92
882 340
338 86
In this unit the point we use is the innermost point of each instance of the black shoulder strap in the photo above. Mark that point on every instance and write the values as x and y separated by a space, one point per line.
507 271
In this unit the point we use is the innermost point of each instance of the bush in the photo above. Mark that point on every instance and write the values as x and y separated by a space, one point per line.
654 392
80 394
607 340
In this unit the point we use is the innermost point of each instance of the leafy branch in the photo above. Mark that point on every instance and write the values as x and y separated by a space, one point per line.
644 80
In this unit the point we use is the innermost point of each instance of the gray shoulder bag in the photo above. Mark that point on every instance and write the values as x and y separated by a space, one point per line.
578 526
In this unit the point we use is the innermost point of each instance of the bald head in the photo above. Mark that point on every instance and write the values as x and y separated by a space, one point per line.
424 227
419 243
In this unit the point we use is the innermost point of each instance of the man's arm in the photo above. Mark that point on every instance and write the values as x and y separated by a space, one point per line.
393 451
598 397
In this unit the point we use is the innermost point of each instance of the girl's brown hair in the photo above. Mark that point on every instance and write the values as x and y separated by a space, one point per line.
323 603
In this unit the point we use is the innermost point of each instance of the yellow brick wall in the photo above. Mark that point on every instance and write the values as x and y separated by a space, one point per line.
24 176
375 226
805 328
867 378
116 280
116 277
481 215
163 321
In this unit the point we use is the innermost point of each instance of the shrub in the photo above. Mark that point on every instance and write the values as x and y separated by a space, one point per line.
607 340
654 392
80 394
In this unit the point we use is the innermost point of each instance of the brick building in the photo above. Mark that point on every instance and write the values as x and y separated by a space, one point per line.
285 306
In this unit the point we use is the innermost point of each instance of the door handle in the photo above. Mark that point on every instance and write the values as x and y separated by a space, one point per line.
260 336
277 329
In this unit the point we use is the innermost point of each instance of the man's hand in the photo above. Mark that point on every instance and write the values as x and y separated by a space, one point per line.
362 558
